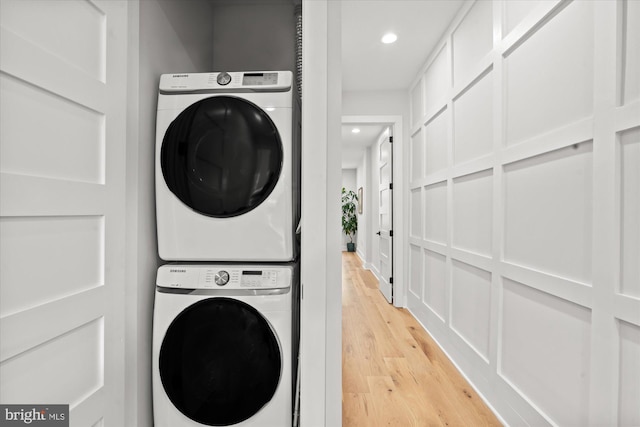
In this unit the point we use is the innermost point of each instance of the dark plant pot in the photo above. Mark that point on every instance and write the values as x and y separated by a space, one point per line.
351 247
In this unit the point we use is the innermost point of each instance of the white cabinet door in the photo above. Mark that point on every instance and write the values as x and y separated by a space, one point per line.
63 81
385 217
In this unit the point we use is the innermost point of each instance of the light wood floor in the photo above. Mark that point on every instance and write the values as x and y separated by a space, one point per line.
393 373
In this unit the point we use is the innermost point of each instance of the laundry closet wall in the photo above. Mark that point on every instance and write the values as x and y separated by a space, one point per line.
524 205
251 35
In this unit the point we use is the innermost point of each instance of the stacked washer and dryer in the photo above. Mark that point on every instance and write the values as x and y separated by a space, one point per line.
227 203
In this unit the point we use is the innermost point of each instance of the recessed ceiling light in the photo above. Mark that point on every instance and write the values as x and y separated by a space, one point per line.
389 38
355 130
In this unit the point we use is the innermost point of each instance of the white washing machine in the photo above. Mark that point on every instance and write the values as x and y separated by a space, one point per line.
226 167
222 346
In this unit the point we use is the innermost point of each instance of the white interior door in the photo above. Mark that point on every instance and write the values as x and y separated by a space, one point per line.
385 217
62 205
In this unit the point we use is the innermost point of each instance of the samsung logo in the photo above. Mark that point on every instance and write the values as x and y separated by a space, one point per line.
180 75
176 270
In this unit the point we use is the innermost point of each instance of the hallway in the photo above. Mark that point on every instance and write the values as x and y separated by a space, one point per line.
394 374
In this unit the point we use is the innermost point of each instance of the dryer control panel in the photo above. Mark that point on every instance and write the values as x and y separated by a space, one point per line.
224 276
232 81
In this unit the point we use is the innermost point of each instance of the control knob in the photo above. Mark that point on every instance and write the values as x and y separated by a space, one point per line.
221 278
224 79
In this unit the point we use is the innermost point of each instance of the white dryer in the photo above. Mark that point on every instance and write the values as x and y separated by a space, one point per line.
222 346
226 167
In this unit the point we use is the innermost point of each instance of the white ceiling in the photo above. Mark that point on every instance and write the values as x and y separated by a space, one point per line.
355 144
368 64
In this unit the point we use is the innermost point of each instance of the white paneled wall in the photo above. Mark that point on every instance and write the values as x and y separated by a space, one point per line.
629 379
472 213
435 135
63 77
473 120
630 77
630 192
546 351
524 198
433 287
435 213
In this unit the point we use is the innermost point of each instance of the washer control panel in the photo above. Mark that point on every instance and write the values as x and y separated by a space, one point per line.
224 276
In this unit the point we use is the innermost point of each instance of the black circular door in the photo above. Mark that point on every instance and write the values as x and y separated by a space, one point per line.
222 156
220 362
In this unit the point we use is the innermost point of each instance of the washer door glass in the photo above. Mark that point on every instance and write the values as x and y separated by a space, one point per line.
220 362
222 156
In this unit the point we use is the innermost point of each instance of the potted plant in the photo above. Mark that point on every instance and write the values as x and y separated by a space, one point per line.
349 217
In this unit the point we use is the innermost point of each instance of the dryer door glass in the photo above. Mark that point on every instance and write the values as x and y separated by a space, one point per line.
222 156
220 362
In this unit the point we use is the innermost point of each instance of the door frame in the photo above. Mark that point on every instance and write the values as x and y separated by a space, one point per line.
400 210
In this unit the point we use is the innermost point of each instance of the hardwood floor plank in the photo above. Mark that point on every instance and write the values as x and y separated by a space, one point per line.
356 408
458 390
353 378
367 346
394 374
415 395
390 408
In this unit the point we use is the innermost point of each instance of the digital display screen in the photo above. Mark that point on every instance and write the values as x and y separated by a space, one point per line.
252 273
259 79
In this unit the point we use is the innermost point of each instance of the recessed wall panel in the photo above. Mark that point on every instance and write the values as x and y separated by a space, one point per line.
75 30
415 264
385 148
515 11
629 375
415 213
435 282
545 352
471 305
385 258
416 155
385 174
472 40
48 136
436 143
437 82
65 369
549 77
472 212
417 105
46 258
435 212
473 121
385 211
631 52
630 199
548 212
